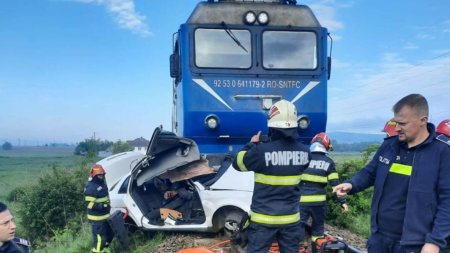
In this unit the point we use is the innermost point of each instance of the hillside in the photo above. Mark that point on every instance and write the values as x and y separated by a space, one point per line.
346 137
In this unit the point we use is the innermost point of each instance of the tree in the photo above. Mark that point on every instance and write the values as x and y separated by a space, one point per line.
92 146
7 146
120 146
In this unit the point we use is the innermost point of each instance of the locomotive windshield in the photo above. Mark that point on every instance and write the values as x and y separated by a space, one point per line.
289 50
231 48
223 48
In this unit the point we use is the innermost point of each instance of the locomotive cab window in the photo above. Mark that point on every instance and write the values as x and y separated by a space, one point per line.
223 48
289 50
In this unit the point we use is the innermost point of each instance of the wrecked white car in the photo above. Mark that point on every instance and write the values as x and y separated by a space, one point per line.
174 187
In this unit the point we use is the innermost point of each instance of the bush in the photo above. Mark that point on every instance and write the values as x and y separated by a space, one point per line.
7 146
51 204
359 204
16 194
121 146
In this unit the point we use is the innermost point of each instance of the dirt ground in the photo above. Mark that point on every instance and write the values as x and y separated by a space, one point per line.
175 242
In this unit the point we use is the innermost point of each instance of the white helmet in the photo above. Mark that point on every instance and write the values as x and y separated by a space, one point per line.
282 114
317 147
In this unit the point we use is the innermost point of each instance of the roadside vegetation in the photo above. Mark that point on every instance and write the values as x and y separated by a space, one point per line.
96 145
45 194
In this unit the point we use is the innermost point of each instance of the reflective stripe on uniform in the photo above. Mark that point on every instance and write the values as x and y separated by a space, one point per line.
99 243
314 238
314 178
240 161
333 176
97 217
401 169
277 180
274 219
96 200
93 200
313 198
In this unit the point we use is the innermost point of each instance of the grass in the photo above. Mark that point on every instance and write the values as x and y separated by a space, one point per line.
23 165
339 157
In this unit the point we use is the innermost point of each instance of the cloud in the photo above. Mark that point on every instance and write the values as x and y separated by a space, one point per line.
124 14
446 26
371 95
410 46
340 64
441 52
325 11
425 36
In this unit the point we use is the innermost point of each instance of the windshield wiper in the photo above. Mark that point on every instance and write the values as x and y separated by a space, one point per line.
233 37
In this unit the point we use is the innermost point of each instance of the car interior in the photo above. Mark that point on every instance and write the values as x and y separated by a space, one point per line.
149 195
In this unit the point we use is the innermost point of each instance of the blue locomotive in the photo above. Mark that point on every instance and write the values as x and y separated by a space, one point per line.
232 59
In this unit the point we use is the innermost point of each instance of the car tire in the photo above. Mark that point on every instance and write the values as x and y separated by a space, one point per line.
232 220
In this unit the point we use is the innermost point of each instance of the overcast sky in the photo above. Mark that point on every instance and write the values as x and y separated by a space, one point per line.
72 68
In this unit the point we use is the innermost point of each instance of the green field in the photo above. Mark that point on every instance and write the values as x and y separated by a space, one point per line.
23 165
339 157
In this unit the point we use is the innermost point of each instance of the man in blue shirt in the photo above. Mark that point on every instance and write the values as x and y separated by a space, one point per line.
409 172
8 242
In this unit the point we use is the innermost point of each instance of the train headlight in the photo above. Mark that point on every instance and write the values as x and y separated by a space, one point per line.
250 18
211 121
303 122
263 18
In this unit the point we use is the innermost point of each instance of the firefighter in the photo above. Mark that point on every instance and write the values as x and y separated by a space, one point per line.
389 128
444 127
320 172
98 208
8 242
278 164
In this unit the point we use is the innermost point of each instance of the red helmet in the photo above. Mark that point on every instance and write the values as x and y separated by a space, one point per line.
389 128
97 169
322 139
444 127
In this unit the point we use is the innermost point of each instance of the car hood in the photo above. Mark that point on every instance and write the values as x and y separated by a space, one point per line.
166 151
119 165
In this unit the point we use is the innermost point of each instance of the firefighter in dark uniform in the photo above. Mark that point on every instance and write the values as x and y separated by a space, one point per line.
320 172
443 131
444 128
98 208
389 128
8 242
278 165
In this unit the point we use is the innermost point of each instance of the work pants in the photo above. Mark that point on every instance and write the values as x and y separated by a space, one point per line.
102 235
177 203
317 214
381 243
182 205
261 237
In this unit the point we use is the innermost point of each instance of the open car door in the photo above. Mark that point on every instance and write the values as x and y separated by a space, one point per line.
165 154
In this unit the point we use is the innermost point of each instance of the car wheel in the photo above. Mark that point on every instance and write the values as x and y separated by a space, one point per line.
232 226
232 221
